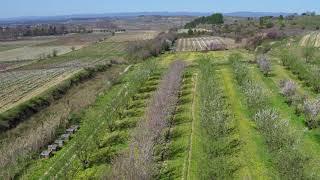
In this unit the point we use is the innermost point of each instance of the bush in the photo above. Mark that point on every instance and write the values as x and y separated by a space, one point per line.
312 112
288 90
269 25
264 64
54 53
274 34
308 52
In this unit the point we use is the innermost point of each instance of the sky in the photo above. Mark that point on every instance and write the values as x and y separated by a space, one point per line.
19 8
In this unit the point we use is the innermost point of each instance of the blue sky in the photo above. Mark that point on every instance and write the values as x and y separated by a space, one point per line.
17 8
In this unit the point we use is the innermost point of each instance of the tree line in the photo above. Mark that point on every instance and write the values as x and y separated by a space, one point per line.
12 33
216 18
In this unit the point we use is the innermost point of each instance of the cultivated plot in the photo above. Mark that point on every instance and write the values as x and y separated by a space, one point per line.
133 36
205 44
18 85
312 39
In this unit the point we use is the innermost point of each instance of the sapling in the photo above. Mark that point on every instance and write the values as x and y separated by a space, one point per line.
264 64
312 111
288 89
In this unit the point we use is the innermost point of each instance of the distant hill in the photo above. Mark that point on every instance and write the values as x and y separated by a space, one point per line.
28 19
95 16
256 14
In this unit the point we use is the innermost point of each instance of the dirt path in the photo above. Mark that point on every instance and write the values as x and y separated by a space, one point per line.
187 164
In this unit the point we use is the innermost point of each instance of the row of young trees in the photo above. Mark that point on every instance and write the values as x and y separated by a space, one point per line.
302 104
115 108
309 73
217 128
139 162
281 139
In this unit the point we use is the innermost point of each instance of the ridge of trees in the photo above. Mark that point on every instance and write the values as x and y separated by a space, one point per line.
216 18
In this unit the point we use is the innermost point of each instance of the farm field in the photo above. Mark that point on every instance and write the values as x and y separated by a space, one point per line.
194 123
19 86
237 100
133 36
21 81
40 47
204 44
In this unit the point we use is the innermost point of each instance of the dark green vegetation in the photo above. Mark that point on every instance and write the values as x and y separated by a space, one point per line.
144 49
213 19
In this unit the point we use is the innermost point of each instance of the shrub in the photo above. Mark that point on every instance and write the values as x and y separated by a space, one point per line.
273 34
288 89
312 112
254 41
54 53
264 64
308 52
269 25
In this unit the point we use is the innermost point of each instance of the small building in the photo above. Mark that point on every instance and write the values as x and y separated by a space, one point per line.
59 143
53 147
46 154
